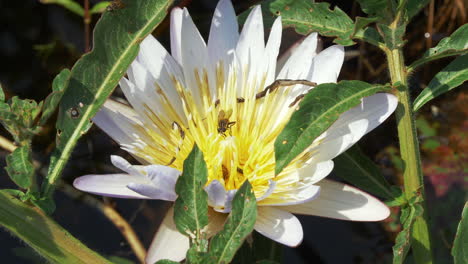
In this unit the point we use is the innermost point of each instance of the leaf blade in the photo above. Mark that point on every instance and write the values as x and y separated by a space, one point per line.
97 73
460 244
452 76
19 166
191 205
455 44
239 224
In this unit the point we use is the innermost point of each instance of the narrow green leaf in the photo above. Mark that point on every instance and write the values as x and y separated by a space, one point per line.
19 166
356 168
369 35
408 216
319 109
191 206
460 244
238 226
393 38
67 4
452 76
99 7
116 42
455 44
42 234
307 17
53 99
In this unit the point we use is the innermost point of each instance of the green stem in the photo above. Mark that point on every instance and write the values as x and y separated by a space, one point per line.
409 149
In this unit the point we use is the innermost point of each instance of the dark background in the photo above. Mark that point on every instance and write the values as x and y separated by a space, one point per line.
38 40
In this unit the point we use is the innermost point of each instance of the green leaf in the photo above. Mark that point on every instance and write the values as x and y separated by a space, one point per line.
99 7
258 248
238 226
51 102
393 38
44 235
456 44
460 245
191 206
408 216
319 109
452 76
378 8
307 17
93 78
19 166
356 168
67 4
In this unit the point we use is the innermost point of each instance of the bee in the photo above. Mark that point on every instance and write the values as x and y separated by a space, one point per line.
223 121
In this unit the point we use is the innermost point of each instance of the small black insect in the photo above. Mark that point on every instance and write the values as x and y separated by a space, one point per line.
223 121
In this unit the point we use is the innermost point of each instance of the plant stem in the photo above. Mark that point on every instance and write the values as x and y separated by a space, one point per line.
409 150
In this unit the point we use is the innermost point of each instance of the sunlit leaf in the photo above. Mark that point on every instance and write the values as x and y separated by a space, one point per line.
19 166
452 76
460 245
319 109
116 42
51 102
99 7
356 168
455 44
43 234
307 17
191 206
238 226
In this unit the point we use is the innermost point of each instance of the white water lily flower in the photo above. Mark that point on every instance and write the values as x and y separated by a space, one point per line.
206 94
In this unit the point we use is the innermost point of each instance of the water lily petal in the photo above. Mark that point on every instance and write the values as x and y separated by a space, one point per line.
176 34
250 49
153 192
279 225
297 196
124 165
315 172
341 201
168 242
272 50
327 65
112 185
354 124
216 193
224 32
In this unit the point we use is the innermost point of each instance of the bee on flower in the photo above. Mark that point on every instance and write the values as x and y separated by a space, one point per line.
213 95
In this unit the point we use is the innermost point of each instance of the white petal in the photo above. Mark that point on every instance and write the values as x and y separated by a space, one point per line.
112 185
124 165
216 193
163 177
315 172
272 50
224 32
299 63
251 47
117 120
354 124
301 195
153 192
194 58
176 32
271 188
327 65
341 201
279 225
168 242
